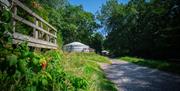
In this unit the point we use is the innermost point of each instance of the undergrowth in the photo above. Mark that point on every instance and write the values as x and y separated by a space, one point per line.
158 64
85 65
25 70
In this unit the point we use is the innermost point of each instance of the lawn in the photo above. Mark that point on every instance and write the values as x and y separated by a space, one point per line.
158 64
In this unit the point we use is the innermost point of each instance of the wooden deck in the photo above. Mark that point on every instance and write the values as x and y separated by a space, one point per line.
43 34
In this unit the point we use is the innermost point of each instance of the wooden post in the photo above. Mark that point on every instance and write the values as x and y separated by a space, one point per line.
35 32
14 21
41 33
43 37
41 25
47 36
55 39
50 39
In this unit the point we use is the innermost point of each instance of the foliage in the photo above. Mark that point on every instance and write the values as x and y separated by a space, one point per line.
72 22
97 42
30 71
145 28
25 70
86 65
56 4
5 19
77 25
93 57
158 64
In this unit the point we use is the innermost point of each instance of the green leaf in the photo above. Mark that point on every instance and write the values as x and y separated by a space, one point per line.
6 16
12 59
48 75
22 66
35 61
44 82
31 88
159 10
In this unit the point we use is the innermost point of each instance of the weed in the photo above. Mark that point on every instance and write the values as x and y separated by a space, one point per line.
161 65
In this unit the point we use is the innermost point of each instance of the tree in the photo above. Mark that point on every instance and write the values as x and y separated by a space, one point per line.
97 42
56 4
73 23
142 28
78 25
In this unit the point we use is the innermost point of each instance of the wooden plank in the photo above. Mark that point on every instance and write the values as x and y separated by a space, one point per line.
22 37
41 24
5 2
55 41
16 41
41 34
35 32
32 25
47 36
35 42
14 21
33 14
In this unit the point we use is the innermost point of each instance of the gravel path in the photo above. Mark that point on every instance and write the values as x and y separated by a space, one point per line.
131 77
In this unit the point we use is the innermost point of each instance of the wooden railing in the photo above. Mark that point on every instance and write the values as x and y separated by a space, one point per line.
39 25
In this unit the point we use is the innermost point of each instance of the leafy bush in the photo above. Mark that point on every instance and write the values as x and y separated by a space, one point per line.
30 71
25 70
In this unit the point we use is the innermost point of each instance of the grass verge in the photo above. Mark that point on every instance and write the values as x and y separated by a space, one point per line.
85 65
23 70
161 65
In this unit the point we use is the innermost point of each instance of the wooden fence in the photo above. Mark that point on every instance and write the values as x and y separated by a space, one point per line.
39 28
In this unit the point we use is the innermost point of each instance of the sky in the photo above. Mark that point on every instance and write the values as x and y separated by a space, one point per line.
93 6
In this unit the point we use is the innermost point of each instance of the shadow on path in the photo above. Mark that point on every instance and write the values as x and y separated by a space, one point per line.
131 77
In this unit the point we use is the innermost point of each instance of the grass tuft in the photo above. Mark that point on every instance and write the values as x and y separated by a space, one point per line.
161 65
85 65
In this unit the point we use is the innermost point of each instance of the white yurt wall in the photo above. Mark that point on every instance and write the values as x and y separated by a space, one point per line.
76 47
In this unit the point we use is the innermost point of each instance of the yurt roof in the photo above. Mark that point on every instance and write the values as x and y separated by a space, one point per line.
105 51
76 43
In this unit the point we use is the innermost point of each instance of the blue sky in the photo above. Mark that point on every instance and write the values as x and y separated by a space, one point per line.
92 5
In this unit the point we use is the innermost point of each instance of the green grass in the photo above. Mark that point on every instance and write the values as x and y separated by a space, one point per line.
63 71
85 65
161 65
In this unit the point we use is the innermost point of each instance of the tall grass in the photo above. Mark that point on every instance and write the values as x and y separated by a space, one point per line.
158 64
85 65
23 70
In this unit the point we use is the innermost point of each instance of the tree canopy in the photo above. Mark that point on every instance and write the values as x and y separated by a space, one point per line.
145 28
72 22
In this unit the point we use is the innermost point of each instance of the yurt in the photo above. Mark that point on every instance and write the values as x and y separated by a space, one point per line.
76 47
105 53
